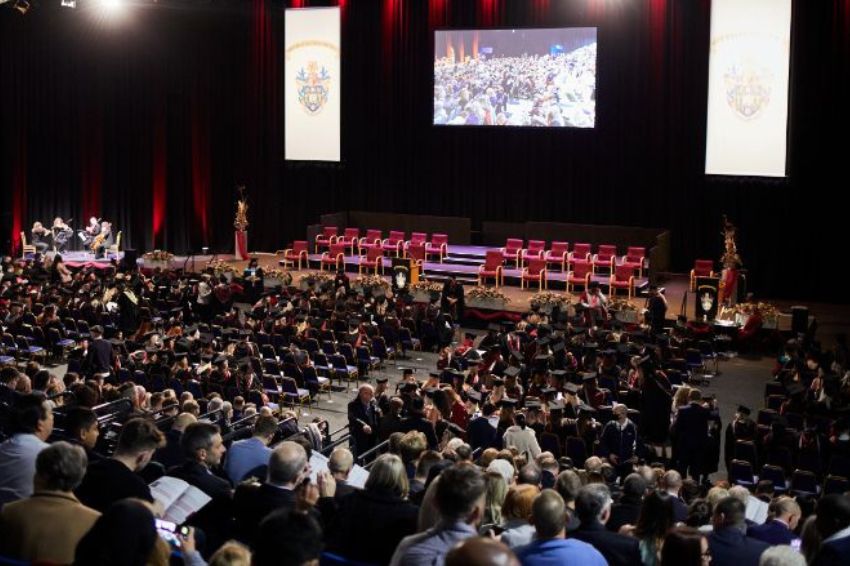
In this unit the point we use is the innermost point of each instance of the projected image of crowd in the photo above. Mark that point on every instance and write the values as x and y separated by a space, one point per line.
532 90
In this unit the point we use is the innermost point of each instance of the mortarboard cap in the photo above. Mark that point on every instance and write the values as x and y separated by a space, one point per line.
382 379
556 405
571 388
509 403
473 396
512 371
744 410
532 404
588 376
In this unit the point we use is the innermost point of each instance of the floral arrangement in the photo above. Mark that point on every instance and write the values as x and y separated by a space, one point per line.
424 286
548 298
487 294
158 255
284 276
316 278
220 267
616 304
767 310
730 258
241 220
367 281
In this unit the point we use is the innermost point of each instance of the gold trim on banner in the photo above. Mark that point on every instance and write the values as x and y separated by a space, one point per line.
312 43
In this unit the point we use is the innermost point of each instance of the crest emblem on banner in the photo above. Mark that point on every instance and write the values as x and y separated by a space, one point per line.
313 87
748 89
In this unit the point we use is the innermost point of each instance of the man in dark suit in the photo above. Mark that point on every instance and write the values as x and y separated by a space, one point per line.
363 419
417 421
784 514
593 508
833 523
100 358
692 435
671 482
340 463
284 488
171 454
203 450
480 432
627 510
729 544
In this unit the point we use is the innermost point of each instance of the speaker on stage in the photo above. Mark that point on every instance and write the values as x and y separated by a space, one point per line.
128 262
799 319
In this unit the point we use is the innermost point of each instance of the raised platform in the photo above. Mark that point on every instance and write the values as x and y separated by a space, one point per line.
462 262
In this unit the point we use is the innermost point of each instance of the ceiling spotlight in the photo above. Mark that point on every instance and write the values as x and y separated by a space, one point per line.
69 3
23 6
111 7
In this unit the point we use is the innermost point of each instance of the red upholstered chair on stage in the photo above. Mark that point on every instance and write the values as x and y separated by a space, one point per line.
557 255
394 244
372 239
512 250
296 254
326 238
581 252
350 238
438 246
622 278
535 271
492 267
535 249
334 258
579 274
374 259
416 251
702 268
605 257
417 238
635 258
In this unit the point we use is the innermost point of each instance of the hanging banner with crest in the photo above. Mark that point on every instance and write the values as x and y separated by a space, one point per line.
312 74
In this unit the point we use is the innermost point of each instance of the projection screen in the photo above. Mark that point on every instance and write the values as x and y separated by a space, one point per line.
748 88
312 84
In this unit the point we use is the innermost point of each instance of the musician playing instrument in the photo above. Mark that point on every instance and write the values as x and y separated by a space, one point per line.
90 232
61 234
38 234
103 240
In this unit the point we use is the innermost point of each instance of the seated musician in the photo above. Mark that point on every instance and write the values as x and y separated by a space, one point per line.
103 240
92 230
61 234
595 305
38 234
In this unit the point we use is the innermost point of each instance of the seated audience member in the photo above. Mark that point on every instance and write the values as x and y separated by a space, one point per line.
283 489
82 429
593 508
671 482
516 512
568 486
550 547
782 555
656 518
47 526
783 516
685 546
340 463
459 497
833 524
171 454
247 455
481 551
627 510
31 425
371 522
288 537
112 479
423 468
125 535
203 450
230 553
729 543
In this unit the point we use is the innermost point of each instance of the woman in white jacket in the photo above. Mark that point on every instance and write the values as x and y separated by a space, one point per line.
522 438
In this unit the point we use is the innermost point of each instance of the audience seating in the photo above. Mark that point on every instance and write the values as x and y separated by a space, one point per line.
492 267
702 268
534 271
557 255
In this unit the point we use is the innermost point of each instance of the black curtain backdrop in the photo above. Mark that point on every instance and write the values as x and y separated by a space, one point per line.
153 122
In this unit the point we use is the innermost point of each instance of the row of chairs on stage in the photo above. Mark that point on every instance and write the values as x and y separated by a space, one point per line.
396 244
536 270
559 254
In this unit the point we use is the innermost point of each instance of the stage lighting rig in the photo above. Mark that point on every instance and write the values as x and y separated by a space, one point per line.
69 3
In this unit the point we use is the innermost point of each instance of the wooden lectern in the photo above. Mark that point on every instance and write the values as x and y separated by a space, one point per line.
405 273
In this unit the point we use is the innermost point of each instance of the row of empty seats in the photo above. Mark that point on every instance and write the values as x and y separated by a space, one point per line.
559 254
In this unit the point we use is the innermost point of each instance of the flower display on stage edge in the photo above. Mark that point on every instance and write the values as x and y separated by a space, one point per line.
487 293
